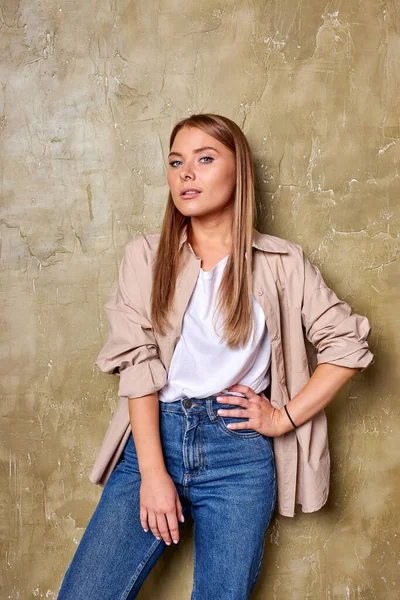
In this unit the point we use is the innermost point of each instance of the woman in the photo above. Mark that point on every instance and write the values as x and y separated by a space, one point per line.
215 329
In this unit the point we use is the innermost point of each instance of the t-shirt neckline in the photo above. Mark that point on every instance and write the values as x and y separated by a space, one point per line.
220 262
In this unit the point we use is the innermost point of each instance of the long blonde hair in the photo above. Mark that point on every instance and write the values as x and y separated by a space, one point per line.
236 284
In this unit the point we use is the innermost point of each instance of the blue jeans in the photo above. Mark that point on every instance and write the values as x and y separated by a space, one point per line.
225 478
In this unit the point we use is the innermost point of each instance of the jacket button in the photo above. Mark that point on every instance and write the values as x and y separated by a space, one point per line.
187 403
260 292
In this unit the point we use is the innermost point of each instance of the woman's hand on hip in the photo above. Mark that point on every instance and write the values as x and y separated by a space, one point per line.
160 506
263 417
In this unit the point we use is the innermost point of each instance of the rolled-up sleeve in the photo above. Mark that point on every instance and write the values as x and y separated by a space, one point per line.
340 336
131 350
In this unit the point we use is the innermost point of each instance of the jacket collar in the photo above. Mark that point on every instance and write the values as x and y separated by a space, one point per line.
261 241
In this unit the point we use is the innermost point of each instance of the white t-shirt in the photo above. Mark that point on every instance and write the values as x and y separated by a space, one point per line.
202 364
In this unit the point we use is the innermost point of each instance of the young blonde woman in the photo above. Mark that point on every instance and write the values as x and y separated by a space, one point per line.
228 345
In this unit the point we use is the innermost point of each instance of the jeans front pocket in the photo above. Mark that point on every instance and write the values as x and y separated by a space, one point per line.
225 420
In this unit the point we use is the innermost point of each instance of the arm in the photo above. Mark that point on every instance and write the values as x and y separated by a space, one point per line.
132 353
324 384
341 340
144 418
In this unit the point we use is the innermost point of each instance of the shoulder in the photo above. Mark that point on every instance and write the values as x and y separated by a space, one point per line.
142 247
136 268
274 244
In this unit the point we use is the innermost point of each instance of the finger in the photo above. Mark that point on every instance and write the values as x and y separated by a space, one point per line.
233 400
179 510
232 412
173 526
244 425
243 389
143 518
246 390
163 528
153 525
255 398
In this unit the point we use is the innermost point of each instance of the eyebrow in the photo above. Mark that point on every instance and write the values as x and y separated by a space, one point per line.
195 151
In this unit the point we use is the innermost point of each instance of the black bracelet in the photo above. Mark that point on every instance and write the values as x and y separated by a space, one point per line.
290 418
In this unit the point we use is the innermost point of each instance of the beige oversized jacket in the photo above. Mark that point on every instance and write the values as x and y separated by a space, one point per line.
308 325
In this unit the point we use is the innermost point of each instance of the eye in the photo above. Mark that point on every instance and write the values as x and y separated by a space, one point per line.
208 158
172 163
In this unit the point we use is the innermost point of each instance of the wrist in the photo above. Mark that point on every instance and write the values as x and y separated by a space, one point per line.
152 470
285 423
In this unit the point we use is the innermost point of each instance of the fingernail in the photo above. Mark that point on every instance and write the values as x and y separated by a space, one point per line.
175 541
158 538
146 530
219 399
182 518
168 543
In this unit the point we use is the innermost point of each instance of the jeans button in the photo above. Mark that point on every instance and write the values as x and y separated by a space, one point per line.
187 403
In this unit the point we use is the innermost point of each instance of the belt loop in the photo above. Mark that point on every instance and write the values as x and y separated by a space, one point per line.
211 414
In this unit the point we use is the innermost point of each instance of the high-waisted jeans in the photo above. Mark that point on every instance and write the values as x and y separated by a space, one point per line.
225 478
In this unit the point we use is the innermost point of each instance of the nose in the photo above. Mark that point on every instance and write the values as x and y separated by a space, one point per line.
187 173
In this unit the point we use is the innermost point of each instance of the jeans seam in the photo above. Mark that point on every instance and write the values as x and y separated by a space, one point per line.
194 574
201 449
271 510
258 567
139 570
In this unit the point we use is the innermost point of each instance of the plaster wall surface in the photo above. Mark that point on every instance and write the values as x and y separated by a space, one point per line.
89 92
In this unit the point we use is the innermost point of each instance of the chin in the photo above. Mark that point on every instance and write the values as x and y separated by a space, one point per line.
190 207
186 212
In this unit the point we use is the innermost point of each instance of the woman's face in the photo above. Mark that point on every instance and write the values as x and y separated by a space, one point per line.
199 162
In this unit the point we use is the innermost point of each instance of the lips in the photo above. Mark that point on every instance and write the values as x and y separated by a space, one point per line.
190 193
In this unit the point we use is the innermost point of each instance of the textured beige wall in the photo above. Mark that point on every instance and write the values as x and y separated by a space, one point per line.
89 93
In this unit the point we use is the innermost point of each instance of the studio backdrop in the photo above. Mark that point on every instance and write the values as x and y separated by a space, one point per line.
89 94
